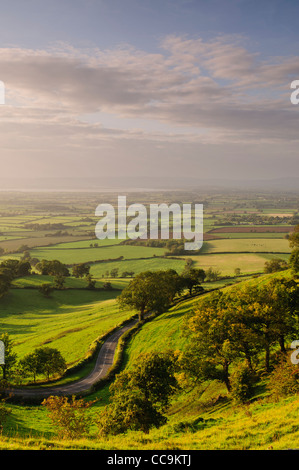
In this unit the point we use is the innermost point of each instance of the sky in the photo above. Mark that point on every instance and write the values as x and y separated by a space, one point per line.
149 88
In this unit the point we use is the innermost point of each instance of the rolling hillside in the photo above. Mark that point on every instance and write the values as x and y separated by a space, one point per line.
199 417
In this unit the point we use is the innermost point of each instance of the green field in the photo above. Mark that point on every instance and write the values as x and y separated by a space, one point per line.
73 318
137 266
226 263
251 245
69 320
82 255
260 424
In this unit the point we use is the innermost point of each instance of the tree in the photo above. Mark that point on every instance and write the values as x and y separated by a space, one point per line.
275 307
59 281
242 383
16 268
192 278
81 270
69 416
294 260
140 396
52 268
294 238
275 265
149 291
237 325
24 268
209 332
114 272
91 283
5 281
50 361
284 379
107 286
30 364
212 275
129 410
46 289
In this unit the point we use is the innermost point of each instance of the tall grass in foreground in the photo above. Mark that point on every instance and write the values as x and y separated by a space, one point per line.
260 425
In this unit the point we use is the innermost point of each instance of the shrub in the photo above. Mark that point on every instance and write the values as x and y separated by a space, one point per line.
284 380
242 383
68 416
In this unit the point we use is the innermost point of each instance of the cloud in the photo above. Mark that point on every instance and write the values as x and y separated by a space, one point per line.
203 93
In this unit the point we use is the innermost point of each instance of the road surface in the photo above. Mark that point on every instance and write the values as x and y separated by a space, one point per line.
103 363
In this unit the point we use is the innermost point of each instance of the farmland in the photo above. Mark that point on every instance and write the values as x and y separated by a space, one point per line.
247 229
241 233
61 227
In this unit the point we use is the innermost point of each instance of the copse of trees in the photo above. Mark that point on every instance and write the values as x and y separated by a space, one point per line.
243 324
15 268
81 270
52 268
42 361
11 269
275 265
46 361
155 291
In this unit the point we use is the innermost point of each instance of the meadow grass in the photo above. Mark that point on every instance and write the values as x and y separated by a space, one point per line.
84 255
260 424
253 245
138 265
226 263
249 235
69 320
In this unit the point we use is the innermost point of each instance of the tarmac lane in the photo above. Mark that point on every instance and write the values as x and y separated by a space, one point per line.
104 362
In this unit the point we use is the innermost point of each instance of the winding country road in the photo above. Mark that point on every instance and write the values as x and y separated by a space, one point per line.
103 363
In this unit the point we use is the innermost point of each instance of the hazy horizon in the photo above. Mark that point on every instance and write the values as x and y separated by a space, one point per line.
116 184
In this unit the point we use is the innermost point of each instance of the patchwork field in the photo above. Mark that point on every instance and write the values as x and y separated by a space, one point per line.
226 263
241 232
251 245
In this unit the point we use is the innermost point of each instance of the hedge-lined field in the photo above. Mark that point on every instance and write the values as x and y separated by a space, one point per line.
68 320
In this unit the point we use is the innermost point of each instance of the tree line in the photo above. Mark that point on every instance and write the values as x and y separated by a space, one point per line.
44 361
155 291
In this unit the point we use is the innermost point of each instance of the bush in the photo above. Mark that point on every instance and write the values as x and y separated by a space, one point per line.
284 380
68 416
242 383
139 397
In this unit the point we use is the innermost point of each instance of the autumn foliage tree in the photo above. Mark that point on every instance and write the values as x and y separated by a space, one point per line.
68 415
240 324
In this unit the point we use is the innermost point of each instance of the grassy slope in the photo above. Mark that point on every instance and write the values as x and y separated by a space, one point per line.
262 424
68 322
